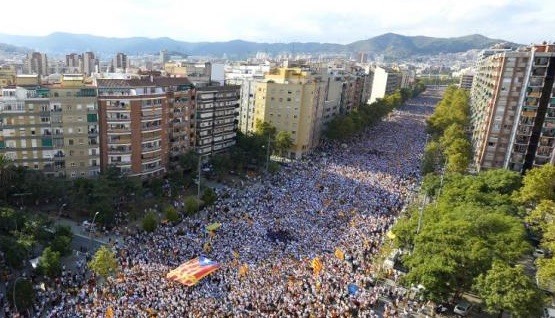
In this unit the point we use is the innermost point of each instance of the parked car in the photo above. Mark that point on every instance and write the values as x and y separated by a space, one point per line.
462 308
441 308
549 313
538 252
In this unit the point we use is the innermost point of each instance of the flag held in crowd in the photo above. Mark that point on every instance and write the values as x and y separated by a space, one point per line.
339 254
316 265
243 270
192 271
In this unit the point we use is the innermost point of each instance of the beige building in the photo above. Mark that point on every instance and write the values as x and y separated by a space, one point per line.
385 81
74 122
7 75
292 100
513 109
51 128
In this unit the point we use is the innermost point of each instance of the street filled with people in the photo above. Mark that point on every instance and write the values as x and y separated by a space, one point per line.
335 205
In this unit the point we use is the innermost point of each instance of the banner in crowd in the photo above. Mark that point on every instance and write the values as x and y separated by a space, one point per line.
192 271
339 254
316 265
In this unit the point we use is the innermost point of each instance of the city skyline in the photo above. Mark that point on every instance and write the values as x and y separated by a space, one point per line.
342 22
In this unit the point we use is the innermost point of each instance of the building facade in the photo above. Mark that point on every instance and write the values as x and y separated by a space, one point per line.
385 82
513 109
215 121
36 63
133 118
51 128
292 100
246 76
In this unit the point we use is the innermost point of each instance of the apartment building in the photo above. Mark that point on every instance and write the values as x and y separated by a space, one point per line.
51 128
180 96
74 123
7 75
292 99
36 63
466 81
133 118
216 124
513 109
200 74
119 63
89 63
385 81
246 76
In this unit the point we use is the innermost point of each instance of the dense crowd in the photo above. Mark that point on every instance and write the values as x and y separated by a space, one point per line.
343 197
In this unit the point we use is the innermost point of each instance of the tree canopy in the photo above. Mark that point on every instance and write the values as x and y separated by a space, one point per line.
470 225
508 288
104 262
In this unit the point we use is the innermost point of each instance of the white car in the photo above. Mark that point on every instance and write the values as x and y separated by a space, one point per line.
548 313
538 252
462 308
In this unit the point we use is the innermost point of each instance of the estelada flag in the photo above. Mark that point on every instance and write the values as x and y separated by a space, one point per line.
316 265
339 254
109 313
243 270
192 271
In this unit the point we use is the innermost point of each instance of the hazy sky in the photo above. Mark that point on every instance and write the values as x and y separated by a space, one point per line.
337 21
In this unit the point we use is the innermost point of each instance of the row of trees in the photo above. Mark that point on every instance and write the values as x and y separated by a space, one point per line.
472 236
345 126
461 241
537 197
449 146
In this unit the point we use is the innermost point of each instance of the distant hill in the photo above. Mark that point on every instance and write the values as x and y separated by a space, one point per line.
390 44
396 45
12 49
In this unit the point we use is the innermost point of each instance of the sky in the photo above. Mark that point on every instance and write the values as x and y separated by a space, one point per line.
337 21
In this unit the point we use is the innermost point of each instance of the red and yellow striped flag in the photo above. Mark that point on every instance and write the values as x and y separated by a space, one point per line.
316 265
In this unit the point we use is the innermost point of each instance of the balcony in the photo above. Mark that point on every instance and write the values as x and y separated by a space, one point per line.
119 150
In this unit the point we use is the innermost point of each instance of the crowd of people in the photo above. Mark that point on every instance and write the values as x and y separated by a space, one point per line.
344 197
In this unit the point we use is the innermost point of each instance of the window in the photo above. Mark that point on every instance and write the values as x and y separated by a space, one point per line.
70 142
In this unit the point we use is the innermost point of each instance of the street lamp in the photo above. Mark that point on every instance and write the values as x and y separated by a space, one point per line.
60 210
268 153
91 229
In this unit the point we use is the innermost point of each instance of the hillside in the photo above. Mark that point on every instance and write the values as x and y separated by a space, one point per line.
390 44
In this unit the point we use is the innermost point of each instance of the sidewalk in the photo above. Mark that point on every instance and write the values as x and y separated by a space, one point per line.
78 230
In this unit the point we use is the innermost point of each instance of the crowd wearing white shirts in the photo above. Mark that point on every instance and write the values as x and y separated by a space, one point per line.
342 197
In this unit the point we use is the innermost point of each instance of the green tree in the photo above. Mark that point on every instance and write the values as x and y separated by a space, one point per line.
191 205
171 214
6 175
472 223
209 196
24 294
63 230
62 240
457 163
150 222
14 252
508 288
265 129
189 162
284 141
104 262
538 184
49 263
433 157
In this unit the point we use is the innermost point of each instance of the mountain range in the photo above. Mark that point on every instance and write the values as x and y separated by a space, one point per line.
390 44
